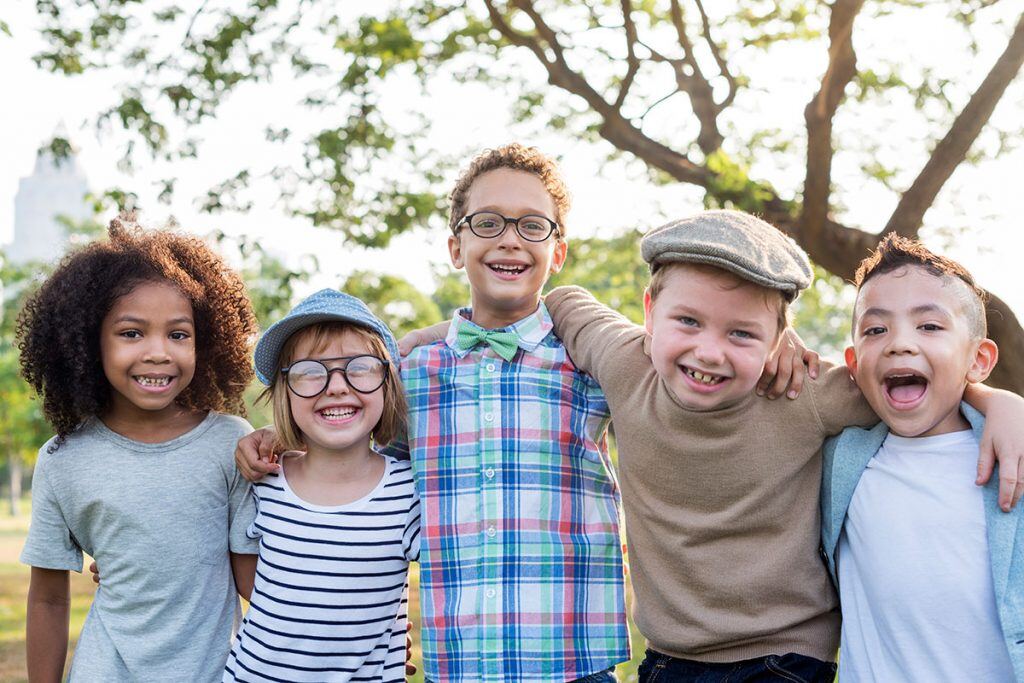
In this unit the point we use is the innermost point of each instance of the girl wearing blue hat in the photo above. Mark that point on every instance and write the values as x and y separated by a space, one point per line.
338 524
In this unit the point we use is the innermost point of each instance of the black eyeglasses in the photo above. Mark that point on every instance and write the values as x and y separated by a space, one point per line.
308 378
487 224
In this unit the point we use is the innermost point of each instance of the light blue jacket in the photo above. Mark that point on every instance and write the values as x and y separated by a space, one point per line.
848 454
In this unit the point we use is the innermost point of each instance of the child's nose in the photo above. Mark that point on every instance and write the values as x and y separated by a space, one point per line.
901 341
509 238
709 352
336 384
156 351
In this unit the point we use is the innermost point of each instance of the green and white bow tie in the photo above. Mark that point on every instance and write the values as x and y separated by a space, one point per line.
503 343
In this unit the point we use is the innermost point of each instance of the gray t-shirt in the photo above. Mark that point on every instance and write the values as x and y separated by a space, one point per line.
159 519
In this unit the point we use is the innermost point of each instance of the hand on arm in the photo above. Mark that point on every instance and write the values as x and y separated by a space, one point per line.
254 454
788 367
46 628
422 337
1002 441
243 568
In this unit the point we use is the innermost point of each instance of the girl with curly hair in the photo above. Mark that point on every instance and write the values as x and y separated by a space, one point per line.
138 345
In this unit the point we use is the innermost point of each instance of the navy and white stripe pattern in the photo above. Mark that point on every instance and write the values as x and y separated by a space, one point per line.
331 596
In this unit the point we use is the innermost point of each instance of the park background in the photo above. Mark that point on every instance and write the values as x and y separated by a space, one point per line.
314 142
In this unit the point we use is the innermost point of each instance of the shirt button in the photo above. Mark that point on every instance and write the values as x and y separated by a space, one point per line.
490 367
488 417
491 531
489 473
491 592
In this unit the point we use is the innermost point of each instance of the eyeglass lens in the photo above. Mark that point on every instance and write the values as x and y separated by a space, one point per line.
365 374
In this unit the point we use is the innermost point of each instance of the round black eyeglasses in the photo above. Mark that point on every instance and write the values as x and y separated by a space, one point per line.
488 225
308 378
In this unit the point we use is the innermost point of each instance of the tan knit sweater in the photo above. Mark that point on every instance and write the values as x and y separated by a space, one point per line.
722 521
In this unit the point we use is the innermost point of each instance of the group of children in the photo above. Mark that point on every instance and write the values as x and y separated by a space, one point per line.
483 456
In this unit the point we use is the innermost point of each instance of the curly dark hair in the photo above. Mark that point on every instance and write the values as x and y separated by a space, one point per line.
58 329
517 157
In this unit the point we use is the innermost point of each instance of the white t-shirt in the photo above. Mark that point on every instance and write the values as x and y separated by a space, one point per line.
914 575
331 595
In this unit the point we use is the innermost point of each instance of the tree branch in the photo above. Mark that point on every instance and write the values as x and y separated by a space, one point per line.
952 149
819 113
633 64
695 85
716 52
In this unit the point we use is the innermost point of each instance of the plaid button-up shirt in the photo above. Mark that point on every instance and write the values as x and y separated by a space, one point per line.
521 562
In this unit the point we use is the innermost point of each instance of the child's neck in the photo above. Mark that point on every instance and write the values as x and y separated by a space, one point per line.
151 426
493 318
334 477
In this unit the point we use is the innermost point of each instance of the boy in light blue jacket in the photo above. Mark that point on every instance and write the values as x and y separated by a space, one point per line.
929 570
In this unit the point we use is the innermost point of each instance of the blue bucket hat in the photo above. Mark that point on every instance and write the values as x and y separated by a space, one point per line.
325 305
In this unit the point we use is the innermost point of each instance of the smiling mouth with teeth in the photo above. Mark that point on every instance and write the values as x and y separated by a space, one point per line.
337 413
905 388
703 378
506 269
153 381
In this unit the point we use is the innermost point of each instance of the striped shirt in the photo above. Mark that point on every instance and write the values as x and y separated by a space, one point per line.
331 596
521 565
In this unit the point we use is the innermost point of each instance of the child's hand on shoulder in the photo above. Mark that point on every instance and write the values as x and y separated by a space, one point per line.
1002 442
788 366
254 454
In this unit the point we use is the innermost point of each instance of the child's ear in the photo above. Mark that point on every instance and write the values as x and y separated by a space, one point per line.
558 258
648 322
455 251
851 361
985 358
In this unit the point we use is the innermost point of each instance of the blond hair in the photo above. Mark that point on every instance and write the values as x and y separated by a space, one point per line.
773 298
392 420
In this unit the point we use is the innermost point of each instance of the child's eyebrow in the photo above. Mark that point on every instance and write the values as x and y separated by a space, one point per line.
916 310
141 321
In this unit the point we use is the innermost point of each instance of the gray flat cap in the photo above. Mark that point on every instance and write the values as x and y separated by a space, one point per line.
735 241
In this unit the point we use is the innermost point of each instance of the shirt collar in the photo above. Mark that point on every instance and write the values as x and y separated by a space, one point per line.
531 330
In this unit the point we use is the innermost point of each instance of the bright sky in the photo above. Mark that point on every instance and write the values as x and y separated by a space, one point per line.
605 203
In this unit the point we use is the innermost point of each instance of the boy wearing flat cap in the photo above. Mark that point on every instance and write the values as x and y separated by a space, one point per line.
720 488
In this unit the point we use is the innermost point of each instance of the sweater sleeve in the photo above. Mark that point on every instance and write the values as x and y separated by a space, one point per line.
596 337
839 402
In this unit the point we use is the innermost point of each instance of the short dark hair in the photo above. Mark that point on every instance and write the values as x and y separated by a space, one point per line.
58 329
895 251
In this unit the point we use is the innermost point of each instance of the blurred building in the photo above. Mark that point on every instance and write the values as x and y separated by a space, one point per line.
57 187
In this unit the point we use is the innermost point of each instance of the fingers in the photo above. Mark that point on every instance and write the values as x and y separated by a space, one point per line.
254 455
796 380
410 668
1010 483
95 572
407 343
813 362
771 369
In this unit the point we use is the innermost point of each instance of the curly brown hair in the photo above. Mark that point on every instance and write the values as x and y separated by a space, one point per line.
517 157
58 329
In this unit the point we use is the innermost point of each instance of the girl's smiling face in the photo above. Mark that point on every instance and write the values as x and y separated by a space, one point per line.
147 349
338 419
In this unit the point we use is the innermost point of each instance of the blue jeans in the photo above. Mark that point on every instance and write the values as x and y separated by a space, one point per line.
659 668
606 676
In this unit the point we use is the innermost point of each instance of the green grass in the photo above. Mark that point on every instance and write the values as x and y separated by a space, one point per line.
14 591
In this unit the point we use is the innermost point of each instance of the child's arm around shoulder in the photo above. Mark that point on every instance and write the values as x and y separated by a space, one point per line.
1002 440
594 335
46 624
